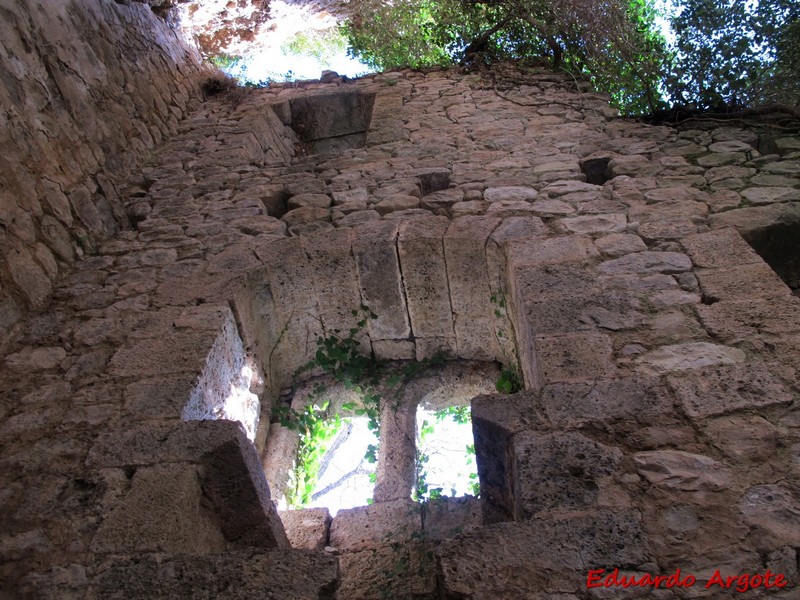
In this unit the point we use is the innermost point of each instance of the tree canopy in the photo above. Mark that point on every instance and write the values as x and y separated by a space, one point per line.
726 53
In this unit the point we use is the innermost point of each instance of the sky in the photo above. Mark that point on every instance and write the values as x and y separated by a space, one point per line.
270 60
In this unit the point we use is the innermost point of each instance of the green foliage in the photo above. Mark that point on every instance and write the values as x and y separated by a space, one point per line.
509 381
459 414
316 428
422 491
614 41
225 61
403 34
322 45
729 54
474 483
337 355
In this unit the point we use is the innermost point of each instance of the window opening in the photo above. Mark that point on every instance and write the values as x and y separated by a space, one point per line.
445 453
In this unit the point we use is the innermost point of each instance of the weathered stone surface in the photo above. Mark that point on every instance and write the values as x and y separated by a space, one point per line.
558 471
714 391
756 217
307 528
551 207
237 575
162 512
380 280
470 292
719 248
743 438
394 571
309 201
594 224
640 399
395 203
680 470
551 251
647 262
575 357
554 553
446 518
425 276
35 359
497 194
619 244
376 525
767 195
775 509
230 478
743 282
745 320
687 356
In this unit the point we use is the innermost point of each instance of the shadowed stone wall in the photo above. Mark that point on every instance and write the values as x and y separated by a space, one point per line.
659 427
88 90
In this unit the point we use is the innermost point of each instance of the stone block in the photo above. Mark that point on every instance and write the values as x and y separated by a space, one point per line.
719 248
470 292
29 277
163 511
515 193
446 518
234 575
433 347
394 349
307 528
612 223
743 282
159 398
687 356
380 279
748 320
333 272
684 471
376 525
397 453
390 571
646 262
286 306
495 420
565 249
320 116
633 399
512 228
756 217
178 353
575 357
775 510
558 471
744 438
719 390
229 473
556 315
550 554
422 261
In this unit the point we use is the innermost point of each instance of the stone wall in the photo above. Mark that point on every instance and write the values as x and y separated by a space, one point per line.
658 429
88 90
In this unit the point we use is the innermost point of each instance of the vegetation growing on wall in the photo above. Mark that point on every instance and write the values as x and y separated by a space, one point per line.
727 54
339 356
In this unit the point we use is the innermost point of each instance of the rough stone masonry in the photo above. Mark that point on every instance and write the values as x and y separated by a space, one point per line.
166 251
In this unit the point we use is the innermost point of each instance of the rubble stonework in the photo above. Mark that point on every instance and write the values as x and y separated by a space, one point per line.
658 429
89 90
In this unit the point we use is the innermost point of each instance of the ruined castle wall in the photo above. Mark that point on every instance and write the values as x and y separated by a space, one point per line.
658 429
88 89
